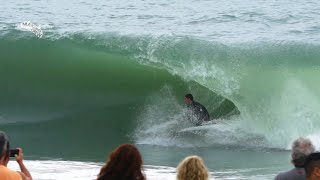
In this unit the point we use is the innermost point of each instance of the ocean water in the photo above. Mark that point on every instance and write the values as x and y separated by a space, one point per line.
110 72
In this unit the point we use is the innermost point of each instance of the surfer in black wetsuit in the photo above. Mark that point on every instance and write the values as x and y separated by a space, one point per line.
196 111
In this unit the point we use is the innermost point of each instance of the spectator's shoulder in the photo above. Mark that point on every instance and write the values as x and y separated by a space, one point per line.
287 175
279 176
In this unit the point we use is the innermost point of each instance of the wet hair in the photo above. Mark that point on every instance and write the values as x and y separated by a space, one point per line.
192 168
189 96
312 161
124 163
4 145
301 148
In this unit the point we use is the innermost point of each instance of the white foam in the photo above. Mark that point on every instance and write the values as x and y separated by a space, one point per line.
315 138
29 26
60 170
75 170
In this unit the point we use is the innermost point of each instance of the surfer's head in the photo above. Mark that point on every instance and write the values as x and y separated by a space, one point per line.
188 99
301 148
192 167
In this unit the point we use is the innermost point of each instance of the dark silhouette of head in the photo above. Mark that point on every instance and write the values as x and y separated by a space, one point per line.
188 99
312 166
124 163
4 148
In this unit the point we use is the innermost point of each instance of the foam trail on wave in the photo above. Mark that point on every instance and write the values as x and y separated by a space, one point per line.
163 122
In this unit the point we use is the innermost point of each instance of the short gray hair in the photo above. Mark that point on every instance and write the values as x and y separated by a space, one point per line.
301 148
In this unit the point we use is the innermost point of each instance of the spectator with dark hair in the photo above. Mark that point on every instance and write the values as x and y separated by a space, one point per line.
301 148
6 173
196 111
312 166
124 163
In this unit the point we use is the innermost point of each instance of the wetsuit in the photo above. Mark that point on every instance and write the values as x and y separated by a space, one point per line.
198 112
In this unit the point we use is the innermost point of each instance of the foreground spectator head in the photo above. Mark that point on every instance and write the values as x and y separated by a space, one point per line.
192 168
124 163
312 166
301 148
4 148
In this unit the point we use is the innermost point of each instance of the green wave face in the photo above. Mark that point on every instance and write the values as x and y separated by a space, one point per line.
81 94
103 89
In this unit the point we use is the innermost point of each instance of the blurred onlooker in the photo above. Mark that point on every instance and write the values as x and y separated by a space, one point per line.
312 166
124 163
301 148
192 168
6 173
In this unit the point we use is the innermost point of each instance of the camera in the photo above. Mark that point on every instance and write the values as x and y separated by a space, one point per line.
13 152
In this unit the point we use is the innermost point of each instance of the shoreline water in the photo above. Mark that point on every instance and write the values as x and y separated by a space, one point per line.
160 163
72 170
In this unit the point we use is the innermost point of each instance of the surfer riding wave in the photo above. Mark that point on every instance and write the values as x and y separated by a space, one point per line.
197 113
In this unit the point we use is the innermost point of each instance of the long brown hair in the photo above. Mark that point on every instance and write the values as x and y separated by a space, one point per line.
124 163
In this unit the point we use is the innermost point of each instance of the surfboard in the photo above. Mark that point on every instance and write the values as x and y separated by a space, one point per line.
198 130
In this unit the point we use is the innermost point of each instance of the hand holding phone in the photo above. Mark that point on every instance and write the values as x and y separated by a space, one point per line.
14 152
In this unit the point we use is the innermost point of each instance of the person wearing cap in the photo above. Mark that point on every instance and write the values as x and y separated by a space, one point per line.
301 148
312 166
197 111
6 173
